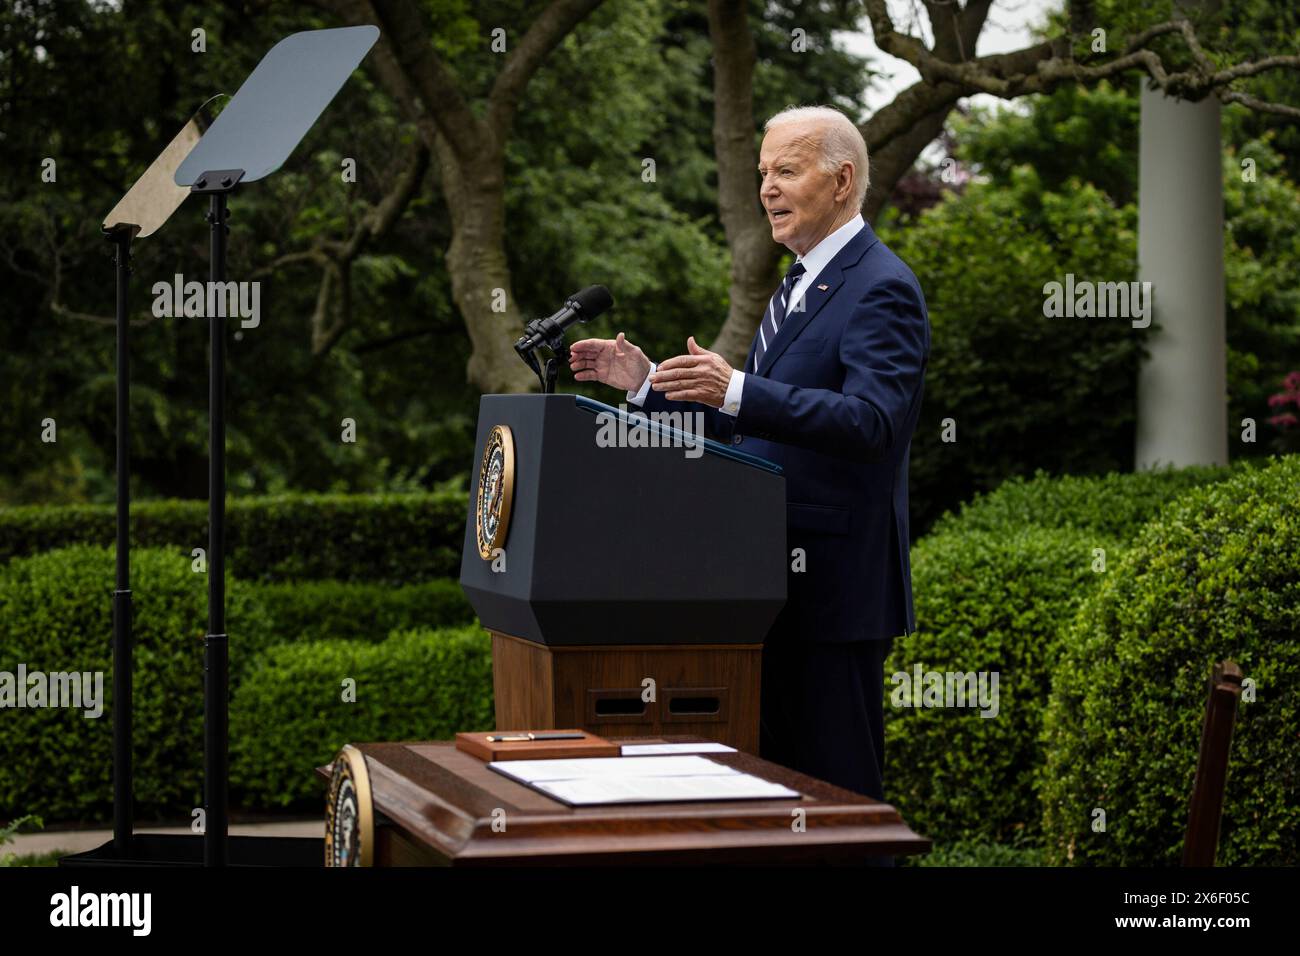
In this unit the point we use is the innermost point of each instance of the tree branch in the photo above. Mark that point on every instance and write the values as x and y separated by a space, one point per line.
408 49
551 26
1245 99
1044 66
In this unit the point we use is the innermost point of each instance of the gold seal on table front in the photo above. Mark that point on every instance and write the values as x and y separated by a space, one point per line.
349 815
496 491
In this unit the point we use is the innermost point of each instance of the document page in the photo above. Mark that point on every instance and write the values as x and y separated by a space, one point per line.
593 781
646 750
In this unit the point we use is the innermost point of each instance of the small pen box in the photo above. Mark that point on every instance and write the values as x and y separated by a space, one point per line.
478 745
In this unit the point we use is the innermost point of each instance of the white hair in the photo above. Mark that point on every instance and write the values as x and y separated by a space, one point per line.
840 142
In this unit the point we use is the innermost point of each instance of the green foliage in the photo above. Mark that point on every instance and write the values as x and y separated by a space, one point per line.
1075 132
1215 577
631 82
9 829
994 586
34 859
289 715
56 616
1028 392
985 602
286 402
1259 29
1112 505
359 611
1091 135
394 538
7 834
974 853
1261 261
1025 391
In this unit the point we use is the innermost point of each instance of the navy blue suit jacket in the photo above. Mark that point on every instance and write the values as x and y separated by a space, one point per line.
834 402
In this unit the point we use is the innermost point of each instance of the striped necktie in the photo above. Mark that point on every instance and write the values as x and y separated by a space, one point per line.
775 313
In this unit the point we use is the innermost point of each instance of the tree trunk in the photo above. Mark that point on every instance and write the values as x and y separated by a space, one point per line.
754 256
480 275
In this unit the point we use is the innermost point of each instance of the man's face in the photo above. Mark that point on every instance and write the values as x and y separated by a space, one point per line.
798 194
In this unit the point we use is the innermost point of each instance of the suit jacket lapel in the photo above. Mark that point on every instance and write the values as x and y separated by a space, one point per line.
832 277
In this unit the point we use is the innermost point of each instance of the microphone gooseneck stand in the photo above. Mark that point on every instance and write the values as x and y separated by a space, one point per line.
553 333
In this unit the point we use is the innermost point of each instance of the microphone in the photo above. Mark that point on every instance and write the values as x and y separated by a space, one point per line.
580 307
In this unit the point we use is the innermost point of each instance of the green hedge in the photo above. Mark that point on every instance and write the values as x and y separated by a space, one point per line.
985 602
390 538
56 615
995 584
342 610
1216 576
972 853
1115 505
289 715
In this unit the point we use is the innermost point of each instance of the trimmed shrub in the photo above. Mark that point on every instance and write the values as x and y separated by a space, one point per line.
1115 505
343 610
1215 577
391 538
56 616
289 715
985 602
978 854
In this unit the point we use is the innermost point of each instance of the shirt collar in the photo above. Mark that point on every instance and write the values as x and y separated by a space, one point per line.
826 250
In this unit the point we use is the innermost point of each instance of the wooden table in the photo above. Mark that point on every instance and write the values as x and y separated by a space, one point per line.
435 805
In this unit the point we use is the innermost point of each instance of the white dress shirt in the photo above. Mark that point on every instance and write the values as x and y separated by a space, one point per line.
814 262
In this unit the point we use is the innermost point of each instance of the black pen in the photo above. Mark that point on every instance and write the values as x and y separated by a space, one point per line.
523 737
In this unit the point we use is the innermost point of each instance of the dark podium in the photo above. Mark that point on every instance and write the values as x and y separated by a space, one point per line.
627 571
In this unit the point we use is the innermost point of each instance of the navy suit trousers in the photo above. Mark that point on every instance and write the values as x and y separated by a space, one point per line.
823 711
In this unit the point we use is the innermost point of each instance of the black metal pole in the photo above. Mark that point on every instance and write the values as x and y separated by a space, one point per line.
123 811
215 645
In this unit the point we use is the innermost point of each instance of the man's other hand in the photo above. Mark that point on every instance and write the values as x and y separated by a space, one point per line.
614 362
698 376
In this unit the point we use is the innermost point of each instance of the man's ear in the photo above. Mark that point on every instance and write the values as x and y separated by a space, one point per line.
844 181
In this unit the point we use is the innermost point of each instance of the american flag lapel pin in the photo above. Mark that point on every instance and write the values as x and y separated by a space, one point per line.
823 286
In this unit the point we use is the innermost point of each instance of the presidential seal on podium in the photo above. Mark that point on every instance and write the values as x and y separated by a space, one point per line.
496 491
349 814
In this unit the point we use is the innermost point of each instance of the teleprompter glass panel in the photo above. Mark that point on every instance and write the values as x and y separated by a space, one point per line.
281 99
154 197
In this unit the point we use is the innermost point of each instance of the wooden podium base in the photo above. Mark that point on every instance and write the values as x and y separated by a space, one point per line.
707 690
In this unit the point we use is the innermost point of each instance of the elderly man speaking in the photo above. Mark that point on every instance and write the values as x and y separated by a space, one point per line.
830 390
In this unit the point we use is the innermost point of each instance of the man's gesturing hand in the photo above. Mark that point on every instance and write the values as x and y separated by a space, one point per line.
615 362
698 376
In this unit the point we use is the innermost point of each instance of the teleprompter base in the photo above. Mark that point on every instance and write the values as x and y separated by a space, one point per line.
170 849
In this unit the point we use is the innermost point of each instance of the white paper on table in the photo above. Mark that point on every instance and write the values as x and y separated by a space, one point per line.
647 750
533 771
597 780
602 790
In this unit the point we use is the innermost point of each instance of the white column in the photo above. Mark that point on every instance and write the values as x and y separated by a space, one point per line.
1182 387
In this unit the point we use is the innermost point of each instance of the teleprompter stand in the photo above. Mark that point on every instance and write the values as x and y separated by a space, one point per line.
123 811
275 107
218 185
